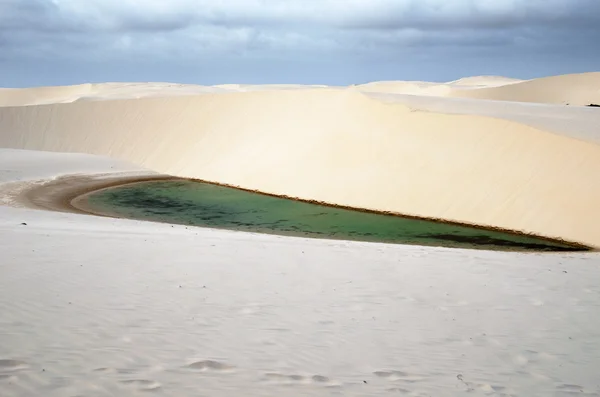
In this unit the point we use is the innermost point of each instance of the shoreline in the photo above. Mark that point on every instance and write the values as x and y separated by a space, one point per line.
68 194
59 194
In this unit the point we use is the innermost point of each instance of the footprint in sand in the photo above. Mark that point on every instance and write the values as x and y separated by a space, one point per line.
105 370
570 388
8 366
399 375
273 376
210 365
283 378
142 384
399 390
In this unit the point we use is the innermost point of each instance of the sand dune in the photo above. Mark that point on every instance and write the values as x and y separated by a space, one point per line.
426 88
575 89
338 146
105 91
114 91
484 81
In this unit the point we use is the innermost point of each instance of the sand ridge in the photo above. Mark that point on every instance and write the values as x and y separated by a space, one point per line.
573 89
116 91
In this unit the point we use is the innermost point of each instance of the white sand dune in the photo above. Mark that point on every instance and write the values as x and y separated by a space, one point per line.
110 307
575 89
426 88
90 92
484 81
102 307
343 146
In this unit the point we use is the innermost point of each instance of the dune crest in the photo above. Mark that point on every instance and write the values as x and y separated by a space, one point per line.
337 146
574 89
484 81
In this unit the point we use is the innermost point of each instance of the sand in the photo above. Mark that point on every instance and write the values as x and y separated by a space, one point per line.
99 306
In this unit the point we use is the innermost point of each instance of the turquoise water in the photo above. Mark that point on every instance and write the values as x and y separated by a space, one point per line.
202 204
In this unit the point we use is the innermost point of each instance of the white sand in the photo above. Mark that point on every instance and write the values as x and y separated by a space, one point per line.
99 307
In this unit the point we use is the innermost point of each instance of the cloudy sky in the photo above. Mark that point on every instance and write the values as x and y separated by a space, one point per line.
338 42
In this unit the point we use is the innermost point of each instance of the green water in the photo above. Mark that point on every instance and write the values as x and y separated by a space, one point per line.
203 204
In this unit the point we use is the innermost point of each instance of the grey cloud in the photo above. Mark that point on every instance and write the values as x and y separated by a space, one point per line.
368 14
475 14
350 32
34 16
425 15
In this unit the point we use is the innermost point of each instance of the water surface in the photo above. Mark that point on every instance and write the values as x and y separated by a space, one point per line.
203 204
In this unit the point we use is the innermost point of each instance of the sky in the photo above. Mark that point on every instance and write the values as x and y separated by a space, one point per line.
334 42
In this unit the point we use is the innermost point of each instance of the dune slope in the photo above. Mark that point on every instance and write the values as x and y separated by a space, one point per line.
341 147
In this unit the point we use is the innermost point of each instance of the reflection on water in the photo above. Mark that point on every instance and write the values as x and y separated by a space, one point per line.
203 204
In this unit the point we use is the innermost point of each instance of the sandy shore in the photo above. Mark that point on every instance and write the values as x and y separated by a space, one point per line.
69 194
60 194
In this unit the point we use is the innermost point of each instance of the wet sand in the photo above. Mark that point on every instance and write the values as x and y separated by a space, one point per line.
61 193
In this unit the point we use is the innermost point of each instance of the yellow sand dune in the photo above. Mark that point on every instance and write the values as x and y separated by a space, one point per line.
337 146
